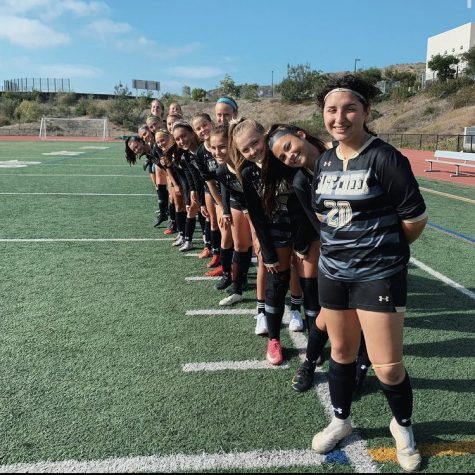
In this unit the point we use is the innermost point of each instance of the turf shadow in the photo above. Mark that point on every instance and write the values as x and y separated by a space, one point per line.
456 348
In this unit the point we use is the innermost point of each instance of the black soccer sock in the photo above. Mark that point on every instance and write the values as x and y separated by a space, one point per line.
190 228
162 200
295 302
215 240
341 378
311 304
202 221
277 286
226 257
208 234
363 363
317 340
181 222
400 400
239 270
172 211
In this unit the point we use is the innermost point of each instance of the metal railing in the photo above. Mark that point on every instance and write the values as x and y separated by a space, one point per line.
455 143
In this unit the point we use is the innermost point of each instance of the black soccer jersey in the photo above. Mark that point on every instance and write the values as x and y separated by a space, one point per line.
231 189
207 164
272 231
362 202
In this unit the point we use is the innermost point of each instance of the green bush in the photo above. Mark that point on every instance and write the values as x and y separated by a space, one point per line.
8 107
464 97
4 121
29 111
429 111
442 89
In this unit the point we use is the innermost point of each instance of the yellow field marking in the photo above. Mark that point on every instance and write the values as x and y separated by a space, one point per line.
447 195
442 449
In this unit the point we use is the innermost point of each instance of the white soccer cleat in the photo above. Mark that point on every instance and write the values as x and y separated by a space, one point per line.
178 241
408 456
186 246
326 440
261 324
231 299
296 323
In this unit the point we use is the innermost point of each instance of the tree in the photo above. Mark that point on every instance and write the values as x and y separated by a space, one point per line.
442 65
186 91
124 109
198 94
372 75
229 87
250 91
469 57
301 83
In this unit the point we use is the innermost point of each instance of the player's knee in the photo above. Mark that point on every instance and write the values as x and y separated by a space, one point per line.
342 352
391 374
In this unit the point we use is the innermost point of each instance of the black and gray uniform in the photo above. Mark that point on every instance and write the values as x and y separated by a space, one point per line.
231 190
207 165
362 202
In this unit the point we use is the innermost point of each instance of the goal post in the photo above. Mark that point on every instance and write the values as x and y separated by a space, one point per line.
52 128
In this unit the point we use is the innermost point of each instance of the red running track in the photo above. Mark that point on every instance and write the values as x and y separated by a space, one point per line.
419 165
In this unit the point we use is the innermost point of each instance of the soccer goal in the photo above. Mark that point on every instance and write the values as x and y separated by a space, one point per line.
55 127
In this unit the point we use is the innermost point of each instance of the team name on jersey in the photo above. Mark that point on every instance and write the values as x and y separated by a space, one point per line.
344 183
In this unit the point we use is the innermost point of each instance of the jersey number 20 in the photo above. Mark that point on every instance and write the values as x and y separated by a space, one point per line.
340 213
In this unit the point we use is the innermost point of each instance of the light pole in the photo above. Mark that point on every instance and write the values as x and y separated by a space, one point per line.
356 59
272 84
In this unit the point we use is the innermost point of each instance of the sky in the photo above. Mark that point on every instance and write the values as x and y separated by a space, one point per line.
98 44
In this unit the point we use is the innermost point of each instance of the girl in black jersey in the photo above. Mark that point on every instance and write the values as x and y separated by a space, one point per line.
187 143
138 146
157 108
233 216
175 109
299 150
226 109
202 125
285 142
368 201
171 119
250 155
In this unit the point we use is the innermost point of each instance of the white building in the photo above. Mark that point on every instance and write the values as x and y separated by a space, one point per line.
453 42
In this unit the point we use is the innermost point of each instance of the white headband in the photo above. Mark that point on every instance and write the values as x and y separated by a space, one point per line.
342 89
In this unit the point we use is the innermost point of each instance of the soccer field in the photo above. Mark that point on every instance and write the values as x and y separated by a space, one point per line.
110 360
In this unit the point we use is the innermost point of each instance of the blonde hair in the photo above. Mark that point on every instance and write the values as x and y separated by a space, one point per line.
237 128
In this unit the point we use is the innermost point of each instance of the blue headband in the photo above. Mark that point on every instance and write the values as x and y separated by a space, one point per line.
228 101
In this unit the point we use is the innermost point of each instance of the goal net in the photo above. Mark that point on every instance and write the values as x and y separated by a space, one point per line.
55 127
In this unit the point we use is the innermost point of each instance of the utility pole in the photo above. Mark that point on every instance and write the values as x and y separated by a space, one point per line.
356 59
272 84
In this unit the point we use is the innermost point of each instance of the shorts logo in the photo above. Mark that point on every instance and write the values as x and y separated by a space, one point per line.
327 164
383 299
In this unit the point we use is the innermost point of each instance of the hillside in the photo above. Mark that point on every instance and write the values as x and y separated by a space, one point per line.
420 114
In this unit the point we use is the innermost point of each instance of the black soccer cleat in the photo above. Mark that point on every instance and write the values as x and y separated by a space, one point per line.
224 282
304 377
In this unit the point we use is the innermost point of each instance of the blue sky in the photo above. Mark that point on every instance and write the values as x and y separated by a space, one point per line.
98 44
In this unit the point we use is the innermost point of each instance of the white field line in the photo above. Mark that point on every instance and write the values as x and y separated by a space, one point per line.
354 445
78 165
191 254
176 463
447 195
230 366
234 311
52 240
77 194
197 279
443 278
70 175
